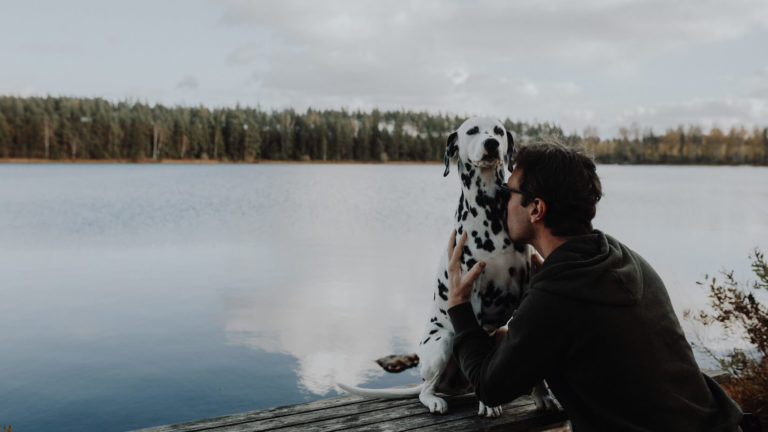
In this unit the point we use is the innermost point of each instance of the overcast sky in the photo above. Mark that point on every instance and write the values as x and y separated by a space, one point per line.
576 63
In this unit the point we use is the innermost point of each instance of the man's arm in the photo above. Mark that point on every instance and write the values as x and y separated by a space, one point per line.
529 350
499 373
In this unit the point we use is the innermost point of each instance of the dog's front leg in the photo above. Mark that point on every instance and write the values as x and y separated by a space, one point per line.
434 355
434 403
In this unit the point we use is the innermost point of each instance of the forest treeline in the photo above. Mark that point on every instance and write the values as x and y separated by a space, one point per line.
61 128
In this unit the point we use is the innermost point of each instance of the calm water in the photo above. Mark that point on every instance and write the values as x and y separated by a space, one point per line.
139 295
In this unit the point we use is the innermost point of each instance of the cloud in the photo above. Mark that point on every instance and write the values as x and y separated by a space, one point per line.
189 83
51 48
709 113
757 82
527 60
495 30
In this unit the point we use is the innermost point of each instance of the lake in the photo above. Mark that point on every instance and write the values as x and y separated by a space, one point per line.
140 295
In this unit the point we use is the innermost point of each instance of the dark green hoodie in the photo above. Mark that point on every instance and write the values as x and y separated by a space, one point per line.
598 325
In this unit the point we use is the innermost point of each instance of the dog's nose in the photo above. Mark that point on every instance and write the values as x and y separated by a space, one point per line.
491 146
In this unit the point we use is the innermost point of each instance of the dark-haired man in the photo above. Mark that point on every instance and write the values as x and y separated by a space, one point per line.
596 322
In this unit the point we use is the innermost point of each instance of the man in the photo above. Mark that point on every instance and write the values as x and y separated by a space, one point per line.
596 322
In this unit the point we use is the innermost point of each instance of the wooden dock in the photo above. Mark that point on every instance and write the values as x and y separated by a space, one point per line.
353 413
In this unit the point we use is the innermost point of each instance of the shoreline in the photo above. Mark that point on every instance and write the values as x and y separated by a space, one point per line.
190 161
207 161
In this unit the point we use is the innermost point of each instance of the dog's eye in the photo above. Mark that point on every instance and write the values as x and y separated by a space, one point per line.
498 131
473 131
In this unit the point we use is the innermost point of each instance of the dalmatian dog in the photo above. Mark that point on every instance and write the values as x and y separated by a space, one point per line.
483 148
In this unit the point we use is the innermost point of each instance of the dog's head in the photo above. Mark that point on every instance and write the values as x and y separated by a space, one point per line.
482 142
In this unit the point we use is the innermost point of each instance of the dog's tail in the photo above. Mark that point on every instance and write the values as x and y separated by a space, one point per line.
387 393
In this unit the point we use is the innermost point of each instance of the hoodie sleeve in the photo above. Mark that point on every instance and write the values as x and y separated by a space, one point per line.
501 373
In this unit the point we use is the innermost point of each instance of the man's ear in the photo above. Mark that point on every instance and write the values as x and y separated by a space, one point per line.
538 210
451 150
510 151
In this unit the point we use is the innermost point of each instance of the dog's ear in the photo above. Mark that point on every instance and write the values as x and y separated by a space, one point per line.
510 150
451 149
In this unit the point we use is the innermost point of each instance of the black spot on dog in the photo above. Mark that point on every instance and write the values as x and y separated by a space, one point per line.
446 274
473 211
438 338
481 199
512 271
439 325
489 246
460 230
464 216
425 341
442 311
473 131
466 176
433 319
496 226
433 331
520 247
471 263
507 241
487 235
467 251
474 233
442 290
478 243
485 223
489 295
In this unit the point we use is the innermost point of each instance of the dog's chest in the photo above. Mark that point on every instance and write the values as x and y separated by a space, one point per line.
496 293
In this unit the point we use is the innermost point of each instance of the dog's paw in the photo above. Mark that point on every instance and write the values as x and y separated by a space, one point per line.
435 404
398 362
486 411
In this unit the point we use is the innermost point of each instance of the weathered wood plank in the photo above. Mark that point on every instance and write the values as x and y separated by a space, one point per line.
205 424
459 418
520 418
557 427
354 412
330 419
376 415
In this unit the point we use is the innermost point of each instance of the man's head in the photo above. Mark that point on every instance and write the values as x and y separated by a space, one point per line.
556 186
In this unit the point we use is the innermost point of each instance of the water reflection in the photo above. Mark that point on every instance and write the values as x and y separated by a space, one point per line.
334 321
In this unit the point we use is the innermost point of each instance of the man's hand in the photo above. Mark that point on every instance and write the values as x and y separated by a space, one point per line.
460 283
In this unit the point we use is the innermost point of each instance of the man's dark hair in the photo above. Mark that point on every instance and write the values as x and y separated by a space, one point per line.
566 179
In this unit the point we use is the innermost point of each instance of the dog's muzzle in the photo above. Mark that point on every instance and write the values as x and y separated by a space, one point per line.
491 146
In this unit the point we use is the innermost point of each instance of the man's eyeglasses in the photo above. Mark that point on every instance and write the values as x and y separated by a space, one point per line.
510 190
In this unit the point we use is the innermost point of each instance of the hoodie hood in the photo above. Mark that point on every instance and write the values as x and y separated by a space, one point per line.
594 268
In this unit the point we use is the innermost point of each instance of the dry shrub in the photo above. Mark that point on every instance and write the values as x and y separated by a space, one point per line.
737 309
